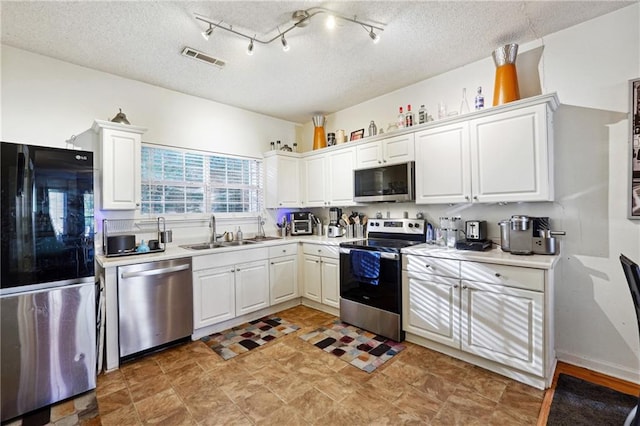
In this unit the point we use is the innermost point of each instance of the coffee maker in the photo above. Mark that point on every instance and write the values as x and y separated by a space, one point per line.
531 235
334 229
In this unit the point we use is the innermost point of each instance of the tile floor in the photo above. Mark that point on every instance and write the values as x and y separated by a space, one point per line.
290 382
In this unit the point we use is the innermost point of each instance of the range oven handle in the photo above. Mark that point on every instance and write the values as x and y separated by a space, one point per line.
383 254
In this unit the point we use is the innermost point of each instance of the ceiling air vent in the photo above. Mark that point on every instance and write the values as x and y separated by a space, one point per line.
192 53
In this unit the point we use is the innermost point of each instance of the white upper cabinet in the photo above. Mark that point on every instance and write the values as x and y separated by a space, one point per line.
394 150
503 156
510 156
328 178
443 164
314 178
282 180
120 159
339 178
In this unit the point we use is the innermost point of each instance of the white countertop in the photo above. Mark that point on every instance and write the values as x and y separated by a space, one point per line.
496 256
174 251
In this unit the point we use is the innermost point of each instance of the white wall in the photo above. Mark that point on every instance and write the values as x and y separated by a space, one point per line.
589 66
46 101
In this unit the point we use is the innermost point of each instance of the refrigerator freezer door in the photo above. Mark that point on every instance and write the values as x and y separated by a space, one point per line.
48 347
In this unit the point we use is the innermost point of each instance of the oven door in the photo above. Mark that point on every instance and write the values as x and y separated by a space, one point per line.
385 295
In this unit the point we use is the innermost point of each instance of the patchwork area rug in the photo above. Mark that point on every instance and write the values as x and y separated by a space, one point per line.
578 402
360 348
245 337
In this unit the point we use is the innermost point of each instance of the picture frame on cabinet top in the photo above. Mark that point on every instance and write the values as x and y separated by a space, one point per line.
357 134
634 134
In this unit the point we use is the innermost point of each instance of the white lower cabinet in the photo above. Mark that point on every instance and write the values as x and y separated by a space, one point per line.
252 287
283 273
503 324
224 289
214 296
495 312
321 274
432 308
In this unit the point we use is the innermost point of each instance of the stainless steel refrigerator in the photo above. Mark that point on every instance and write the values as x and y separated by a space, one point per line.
47 284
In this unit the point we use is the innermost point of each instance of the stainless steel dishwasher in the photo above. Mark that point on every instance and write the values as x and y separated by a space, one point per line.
155 304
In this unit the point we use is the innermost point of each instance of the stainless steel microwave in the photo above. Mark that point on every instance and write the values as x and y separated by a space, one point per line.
385 183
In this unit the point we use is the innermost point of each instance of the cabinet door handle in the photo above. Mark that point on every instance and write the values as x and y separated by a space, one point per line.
475 197
464 287
384 161
498 274
427 266
272 263
455 286
233 270
317 261
466 197
284 251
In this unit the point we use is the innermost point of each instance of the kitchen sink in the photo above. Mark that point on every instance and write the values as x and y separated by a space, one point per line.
237 243
207 246
258 239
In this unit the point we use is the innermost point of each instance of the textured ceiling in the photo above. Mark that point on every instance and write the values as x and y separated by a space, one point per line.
322 72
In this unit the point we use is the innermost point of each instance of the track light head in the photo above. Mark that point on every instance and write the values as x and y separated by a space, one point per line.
206 33
285 45
330 22
375 37
250 48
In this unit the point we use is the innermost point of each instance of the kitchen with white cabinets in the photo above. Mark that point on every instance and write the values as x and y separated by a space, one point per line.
561 151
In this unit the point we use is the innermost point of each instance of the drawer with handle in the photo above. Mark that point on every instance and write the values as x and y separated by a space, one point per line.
425 265
511 276
283 250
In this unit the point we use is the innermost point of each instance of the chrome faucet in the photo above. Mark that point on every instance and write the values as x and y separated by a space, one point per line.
212 224
260 227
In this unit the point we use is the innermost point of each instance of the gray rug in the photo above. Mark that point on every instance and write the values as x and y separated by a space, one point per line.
578 402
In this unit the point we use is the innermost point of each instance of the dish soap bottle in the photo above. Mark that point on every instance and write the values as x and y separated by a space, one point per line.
239 234
143 247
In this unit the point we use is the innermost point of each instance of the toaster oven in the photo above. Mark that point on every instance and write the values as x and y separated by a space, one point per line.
301 223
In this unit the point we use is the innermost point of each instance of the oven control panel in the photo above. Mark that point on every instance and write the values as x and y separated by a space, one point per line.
397 226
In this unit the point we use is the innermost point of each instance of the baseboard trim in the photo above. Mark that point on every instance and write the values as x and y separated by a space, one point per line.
604 368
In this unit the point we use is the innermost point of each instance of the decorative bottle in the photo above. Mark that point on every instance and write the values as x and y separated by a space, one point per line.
464 105
408 118
479 101
400 120
373 129
422 115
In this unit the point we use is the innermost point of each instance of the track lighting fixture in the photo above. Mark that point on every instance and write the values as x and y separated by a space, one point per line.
375 37
330 22
285 45
207 32
300 19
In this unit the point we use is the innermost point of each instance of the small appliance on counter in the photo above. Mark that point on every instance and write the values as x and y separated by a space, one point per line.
528 235
301 223
476 236
335 229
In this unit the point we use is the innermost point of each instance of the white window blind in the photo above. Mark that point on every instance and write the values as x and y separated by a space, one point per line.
181 182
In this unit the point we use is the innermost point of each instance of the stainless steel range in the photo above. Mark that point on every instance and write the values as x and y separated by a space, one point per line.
371 274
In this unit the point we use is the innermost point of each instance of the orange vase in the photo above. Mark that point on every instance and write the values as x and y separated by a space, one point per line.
506 84
319 138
